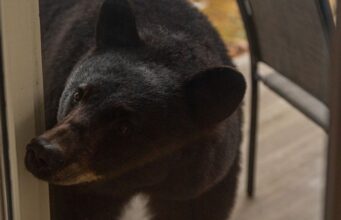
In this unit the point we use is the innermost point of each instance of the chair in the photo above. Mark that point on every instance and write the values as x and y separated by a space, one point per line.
293 38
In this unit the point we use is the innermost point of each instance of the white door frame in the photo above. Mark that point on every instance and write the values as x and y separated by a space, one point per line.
23 88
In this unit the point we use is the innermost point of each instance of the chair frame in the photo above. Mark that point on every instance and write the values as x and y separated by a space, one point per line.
246 12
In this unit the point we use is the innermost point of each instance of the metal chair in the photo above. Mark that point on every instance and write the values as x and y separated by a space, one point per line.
293 38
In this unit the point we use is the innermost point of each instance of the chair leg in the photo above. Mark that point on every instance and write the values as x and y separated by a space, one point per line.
253 136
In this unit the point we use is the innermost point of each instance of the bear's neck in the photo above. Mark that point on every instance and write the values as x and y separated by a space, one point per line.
72 203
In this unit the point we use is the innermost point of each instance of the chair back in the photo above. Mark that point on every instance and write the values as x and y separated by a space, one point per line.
293 37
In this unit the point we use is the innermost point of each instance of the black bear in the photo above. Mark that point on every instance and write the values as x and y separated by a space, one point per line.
141 97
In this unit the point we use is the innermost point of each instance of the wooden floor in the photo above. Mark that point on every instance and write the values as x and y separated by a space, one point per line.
290 168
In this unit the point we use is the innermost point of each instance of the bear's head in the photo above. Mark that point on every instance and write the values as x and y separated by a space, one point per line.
118 112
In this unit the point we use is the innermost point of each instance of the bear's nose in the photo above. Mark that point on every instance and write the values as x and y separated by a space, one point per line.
43 156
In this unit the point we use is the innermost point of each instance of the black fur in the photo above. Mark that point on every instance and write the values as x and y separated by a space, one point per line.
117 17
147 98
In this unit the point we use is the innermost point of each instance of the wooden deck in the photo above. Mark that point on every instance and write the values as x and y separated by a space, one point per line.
290 172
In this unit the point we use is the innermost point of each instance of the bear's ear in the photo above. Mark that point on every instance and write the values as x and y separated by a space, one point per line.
215 94
116 25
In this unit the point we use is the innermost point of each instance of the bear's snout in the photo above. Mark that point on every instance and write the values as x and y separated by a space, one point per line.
43 158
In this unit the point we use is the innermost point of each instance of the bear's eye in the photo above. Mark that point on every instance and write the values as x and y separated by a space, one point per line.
77 96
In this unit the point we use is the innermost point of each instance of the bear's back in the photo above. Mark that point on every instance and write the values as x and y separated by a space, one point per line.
177 16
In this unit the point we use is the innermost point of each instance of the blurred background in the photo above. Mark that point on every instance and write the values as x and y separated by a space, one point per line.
225 16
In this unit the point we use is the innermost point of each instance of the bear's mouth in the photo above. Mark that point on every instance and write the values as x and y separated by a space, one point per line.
74 174
88 177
